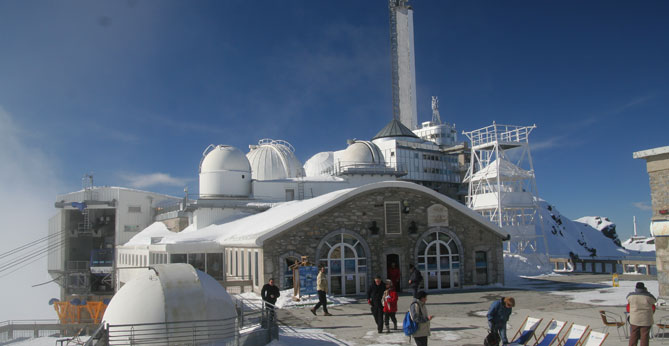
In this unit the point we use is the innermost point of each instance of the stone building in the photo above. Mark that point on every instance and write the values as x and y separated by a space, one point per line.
657 165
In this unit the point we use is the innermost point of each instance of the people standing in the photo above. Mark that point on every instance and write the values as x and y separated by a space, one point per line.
641 306
389 305
419 314
270 293
498 315
415 279
394 276
322 289
375 299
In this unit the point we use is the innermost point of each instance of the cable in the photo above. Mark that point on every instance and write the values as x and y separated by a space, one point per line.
30 244
43 250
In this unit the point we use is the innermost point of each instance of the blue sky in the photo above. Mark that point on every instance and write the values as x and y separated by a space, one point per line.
135 90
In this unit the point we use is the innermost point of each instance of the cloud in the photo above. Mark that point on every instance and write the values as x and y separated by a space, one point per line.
642 205
153 179
29 185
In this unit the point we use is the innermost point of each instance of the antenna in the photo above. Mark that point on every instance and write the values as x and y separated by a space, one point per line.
634 220
436 119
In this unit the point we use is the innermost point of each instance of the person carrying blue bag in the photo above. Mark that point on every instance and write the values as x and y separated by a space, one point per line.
419 314
498 315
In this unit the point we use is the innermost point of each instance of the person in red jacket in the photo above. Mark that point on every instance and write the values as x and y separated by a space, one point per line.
389 305
394 276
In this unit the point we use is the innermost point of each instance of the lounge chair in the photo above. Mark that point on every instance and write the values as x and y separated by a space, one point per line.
595 339
551 333
575 335
526 331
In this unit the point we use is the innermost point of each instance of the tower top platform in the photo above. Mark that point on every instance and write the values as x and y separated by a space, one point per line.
506 136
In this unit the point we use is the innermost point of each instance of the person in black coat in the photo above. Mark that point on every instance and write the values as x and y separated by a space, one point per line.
374 298
270 293
415 279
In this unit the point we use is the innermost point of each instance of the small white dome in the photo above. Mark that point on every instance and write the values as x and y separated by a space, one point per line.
319 164
224 158
224 172
274 159
170 293
361 153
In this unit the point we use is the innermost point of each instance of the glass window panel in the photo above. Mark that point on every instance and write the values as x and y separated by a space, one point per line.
431 263
350 284
455 265
445 279
178 258
481 260
444 262
432 280
453 247
456 278
215 265
360 251
348 252
432 250
349 266
443 237
362 269
443 250
336 252
335 267
335 239
362 261
196 260
335 285
363 283
455 258
349 239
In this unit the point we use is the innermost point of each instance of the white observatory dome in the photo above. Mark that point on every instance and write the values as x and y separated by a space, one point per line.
319 164
170 293
224 172
274 159
361 153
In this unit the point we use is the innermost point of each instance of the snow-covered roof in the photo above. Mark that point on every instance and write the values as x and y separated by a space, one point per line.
253 230
651 152
507 171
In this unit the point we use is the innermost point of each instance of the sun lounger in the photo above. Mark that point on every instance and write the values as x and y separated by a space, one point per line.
595 339
526 331
551 333
575 335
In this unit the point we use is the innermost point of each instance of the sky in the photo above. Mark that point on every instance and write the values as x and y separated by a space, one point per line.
134 91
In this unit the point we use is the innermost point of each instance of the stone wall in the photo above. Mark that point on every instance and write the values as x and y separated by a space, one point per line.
357 214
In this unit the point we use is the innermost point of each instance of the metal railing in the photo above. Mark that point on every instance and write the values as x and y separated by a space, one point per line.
497 132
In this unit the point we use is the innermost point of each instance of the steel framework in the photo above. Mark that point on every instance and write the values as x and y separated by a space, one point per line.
502 185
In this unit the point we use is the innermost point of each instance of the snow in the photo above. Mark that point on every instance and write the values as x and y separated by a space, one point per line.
640 244
286 301
611 296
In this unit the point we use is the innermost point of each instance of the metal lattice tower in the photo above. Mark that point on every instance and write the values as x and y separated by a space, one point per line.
502 185
436 119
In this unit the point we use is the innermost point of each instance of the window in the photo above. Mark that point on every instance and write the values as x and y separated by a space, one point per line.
250 264
481 268
178 258
242 260
215 265
393 218
131 228
134 209
196 260
256 268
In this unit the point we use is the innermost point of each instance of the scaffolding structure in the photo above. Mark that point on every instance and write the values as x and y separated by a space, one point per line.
502 185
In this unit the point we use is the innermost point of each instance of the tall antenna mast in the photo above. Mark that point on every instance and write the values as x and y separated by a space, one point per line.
436 119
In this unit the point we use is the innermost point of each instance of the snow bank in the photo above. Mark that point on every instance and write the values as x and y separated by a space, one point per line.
286 301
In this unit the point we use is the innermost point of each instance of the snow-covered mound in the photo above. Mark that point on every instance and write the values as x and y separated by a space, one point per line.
602 224
567 238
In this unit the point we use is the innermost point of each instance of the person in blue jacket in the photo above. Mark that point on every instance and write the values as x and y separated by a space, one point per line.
498 315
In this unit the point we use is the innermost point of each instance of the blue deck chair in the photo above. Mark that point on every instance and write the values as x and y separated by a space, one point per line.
595 339
551 333
526 331
575 335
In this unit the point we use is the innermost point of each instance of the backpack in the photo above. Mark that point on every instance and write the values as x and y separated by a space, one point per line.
409 326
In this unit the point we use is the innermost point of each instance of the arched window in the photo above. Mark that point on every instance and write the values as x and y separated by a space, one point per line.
345 257
438 255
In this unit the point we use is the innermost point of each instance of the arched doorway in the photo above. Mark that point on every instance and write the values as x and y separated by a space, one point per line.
345 256
438 253
285 261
